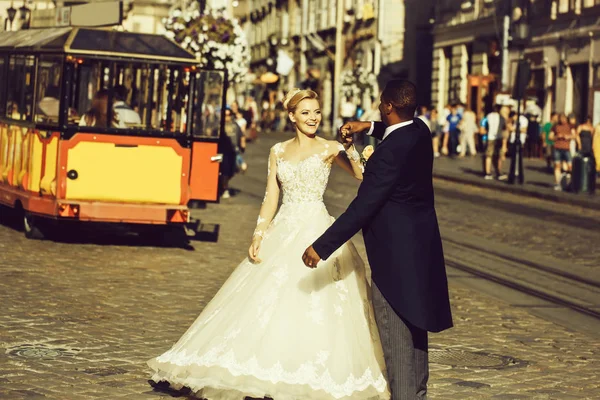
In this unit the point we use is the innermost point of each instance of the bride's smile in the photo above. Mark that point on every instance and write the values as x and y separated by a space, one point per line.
307 116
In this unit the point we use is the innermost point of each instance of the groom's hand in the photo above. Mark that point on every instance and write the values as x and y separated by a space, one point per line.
311 258
353 127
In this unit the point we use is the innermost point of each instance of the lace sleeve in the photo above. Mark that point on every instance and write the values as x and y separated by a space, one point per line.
351 162
271 199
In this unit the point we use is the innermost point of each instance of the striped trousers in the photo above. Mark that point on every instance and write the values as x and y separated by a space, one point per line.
404 349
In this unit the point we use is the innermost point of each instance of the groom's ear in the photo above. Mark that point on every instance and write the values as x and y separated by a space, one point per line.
387 107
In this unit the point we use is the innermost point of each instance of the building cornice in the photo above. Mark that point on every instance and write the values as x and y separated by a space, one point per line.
465 32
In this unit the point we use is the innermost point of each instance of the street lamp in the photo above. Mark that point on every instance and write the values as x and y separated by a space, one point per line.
25 14
520 39
12 13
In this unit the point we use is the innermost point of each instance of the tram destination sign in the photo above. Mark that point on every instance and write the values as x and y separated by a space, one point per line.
83 15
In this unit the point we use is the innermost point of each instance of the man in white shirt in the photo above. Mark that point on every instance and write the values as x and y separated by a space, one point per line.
347 110
495 126
125 114
422 115
523 124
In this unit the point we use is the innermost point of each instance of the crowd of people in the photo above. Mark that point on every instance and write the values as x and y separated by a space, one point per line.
457 132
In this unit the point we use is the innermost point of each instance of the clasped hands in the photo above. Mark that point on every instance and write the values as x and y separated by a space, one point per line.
349 129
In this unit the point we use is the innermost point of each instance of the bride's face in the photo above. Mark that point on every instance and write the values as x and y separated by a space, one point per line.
307 116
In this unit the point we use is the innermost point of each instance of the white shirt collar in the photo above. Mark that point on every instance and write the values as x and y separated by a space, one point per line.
392 128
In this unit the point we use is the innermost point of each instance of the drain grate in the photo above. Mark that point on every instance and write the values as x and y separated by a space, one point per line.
41 351
462 358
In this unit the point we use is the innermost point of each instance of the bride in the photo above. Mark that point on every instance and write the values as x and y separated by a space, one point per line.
276 328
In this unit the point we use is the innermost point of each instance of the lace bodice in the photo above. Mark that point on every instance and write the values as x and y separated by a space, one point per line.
304 181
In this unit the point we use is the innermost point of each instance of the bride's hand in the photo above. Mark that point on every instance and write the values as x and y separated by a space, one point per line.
346 137
254 249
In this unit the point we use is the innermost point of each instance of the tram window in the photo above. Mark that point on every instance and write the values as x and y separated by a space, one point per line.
208 105
125 95
90 95
146 97
164 98
48 89
19 99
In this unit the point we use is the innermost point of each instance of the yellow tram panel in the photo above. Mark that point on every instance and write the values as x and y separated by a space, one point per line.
3 150
35 166
48 180
113 172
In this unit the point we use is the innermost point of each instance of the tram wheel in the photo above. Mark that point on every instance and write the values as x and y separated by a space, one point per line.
31 227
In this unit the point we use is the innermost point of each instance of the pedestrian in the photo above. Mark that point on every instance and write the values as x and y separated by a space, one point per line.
562 133
468 128
453 130
231 145
347 109
348 112
585 137
422 114
534 140
276 328
573 143
523 125
238 117
447 111
436 132
548 142
496 129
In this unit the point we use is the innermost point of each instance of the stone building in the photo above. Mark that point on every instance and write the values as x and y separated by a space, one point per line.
562 51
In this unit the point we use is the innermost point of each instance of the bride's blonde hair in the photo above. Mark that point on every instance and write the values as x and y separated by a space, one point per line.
295 96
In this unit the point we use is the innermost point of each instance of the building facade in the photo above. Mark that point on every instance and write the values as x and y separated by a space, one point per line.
323 38
563 52
466 54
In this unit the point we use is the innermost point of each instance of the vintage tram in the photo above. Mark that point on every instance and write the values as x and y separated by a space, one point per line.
107 126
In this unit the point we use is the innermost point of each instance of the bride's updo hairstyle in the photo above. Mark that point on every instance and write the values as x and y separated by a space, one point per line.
295 96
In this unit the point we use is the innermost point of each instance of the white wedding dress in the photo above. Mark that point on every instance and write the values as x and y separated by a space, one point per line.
279 329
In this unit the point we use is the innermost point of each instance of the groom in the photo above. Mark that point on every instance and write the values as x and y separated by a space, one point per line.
395 209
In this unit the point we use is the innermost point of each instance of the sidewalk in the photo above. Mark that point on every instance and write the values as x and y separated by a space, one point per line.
538 182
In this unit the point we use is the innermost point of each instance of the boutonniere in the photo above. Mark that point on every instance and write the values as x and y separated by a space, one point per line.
366 154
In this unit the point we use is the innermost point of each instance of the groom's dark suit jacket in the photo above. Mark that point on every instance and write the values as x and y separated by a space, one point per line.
395 209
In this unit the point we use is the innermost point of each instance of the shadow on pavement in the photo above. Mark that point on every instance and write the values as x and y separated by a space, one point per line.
539 169
544 185
471 171
114 234
164 388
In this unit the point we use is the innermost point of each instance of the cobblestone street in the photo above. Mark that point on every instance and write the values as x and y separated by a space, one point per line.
80 318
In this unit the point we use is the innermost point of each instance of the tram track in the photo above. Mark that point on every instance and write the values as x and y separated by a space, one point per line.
538 293
532 265
555 285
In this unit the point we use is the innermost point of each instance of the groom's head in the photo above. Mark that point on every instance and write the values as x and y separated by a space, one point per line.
398 102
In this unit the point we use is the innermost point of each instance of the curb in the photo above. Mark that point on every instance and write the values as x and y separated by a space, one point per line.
565 198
